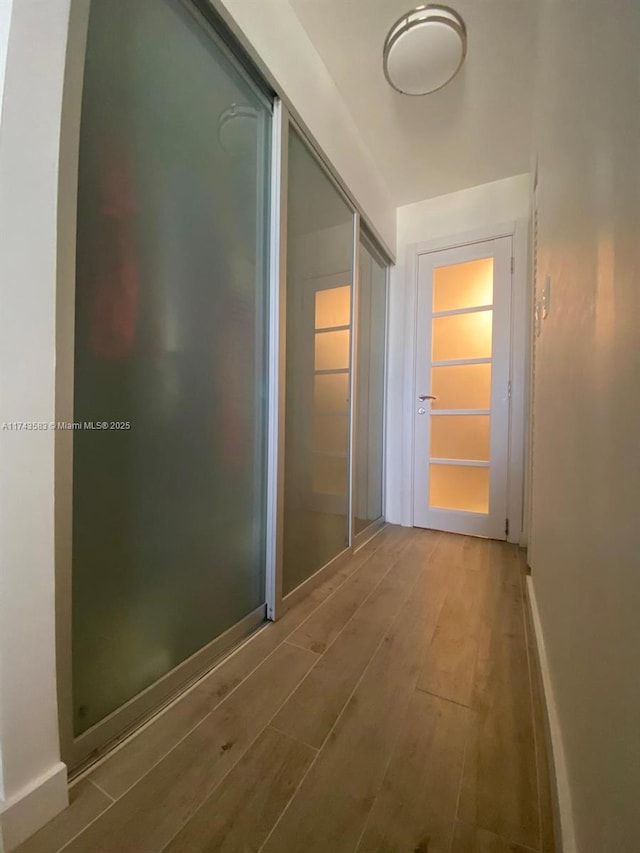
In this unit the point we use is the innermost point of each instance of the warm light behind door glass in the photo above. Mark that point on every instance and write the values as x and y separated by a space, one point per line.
461 386
462 336
333 307
467 285
459 487
329 476
332 350
331 392
460 437
330 434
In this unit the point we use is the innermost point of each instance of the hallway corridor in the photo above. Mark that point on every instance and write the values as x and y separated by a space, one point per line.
396 708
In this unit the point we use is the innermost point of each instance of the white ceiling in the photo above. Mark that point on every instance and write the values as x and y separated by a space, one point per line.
477 129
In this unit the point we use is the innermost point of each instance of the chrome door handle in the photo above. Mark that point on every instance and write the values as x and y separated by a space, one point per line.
427 397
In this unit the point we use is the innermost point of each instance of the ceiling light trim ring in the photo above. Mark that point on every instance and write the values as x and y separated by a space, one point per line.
450 18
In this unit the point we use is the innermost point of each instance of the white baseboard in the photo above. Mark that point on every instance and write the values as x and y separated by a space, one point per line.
28 810
563 790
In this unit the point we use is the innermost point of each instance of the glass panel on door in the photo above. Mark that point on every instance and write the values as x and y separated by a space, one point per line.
460 414
331 393
332 349
461 386
460 437
459 487
462 336
318 354
466 285
333 308
169 498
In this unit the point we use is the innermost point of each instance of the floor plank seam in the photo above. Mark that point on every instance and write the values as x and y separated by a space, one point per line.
102 791
84 828
91 822
302 648
293 737
443 698
460 781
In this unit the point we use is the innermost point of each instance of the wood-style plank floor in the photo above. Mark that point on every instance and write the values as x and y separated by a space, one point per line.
396 709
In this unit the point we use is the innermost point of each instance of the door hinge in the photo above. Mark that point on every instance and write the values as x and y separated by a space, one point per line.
506 527
509 389
513 264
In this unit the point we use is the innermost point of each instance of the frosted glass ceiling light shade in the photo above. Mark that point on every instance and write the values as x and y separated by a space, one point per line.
424 50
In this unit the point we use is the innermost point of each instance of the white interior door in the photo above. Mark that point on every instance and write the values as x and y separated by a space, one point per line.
462 389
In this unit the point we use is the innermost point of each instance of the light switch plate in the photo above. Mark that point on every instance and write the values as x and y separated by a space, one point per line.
546 298
537 318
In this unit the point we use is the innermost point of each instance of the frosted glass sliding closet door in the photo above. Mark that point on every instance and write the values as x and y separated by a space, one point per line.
372 306
320 238
169 497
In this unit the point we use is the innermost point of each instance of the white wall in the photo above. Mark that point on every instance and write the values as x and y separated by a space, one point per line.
441 217
281 43
586 485
34 784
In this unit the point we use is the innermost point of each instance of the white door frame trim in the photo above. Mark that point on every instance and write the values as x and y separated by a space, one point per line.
520 320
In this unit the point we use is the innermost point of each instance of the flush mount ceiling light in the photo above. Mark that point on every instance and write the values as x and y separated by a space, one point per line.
424 50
